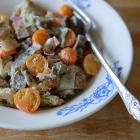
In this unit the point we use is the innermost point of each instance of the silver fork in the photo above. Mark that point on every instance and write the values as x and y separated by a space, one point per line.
131 103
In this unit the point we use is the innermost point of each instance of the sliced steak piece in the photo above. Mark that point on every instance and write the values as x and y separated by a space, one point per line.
80 79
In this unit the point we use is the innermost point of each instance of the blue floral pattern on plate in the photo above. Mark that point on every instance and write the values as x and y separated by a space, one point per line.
83 4
101 93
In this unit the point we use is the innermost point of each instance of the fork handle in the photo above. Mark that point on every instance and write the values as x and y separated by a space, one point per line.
131 103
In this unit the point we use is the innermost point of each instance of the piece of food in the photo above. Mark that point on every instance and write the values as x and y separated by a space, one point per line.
48 78
4 53
77 25
23 17
50 45
67 79
51 100
68 37
80 79
80 46
25 44
91 64
74 78
58 22
29 6
27 100
40 37
47 85
27 77
5 64
1 67
5 28
18 80
6 96
9 44
65 10
68 56
52 59
50 84
42 88
36 64
52 21
3 83
65 93
61 68
19 27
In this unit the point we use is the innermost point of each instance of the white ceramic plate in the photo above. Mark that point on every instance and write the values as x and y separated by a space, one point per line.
117 48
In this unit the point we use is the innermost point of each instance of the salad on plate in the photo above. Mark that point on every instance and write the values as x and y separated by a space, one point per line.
45 58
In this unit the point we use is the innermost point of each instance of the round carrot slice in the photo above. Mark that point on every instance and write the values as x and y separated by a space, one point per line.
27 100
68 56
65 10
91 64
6 53
40 36
36 64
70 38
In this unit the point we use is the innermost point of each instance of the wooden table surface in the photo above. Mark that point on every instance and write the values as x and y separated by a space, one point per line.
112 122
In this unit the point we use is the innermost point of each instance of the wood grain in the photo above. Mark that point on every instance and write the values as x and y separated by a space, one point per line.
112 122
